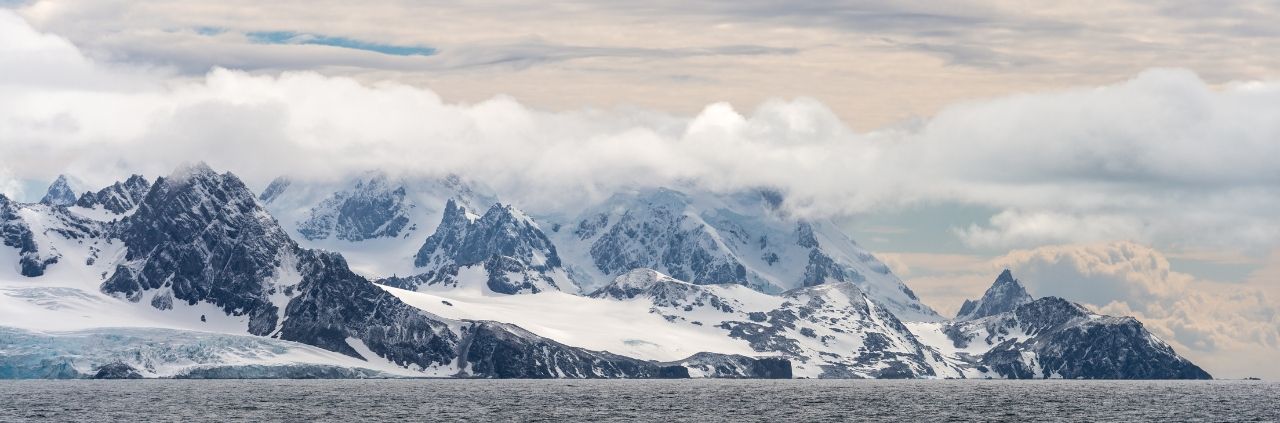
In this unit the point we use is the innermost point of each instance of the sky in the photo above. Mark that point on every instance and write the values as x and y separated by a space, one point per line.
1122 154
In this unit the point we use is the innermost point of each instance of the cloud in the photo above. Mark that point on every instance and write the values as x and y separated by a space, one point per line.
1014 227
874 63
1162 158
1232 329
9 187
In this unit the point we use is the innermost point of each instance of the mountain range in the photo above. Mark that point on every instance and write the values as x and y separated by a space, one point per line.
193 275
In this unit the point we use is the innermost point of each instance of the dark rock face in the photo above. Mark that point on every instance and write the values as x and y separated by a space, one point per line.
117 370
1113 348
1065 340
332 305
516 255
119 197
673 372
733 366
374 208
1006 294
60 193
499 350
202 236
822 269
771 368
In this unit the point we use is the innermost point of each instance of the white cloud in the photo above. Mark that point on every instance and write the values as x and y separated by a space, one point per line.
9 187
1161 159
1014 227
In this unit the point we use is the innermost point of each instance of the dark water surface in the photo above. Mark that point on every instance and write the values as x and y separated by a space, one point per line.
642 400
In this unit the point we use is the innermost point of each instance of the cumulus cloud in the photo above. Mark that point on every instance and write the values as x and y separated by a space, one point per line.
1162 158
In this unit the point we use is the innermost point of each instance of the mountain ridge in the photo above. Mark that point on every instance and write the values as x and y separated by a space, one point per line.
199 251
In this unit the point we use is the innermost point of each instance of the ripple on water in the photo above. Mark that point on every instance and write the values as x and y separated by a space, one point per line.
647 400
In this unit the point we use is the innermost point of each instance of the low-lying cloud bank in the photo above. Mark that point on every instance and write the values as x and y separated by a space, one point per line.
1160 158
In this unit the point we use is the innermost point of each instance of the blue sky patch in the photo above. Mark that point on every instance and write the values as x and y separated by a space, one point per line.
290 37
209 31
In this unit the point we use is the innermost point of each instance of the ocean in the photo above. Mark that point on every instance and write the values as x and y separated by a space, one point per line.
637 400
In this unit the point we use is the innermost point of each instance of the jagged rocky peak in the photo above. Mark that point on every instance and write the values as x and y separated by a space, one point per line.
374 207
199 236
1006 294
514 253
60 192
119 197
1052 337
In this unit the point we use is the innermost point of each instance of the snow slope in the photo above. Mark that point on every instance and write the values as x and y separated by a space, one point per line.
593 323
832 330
298 205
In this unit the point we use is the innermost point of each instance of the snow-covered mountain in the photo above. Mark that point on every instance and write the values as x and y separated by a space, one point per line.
32 228
200 254
826 331
830 330
705 238
376 221
373 208
504 244
61 192
1006 294
194 277
1051 337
